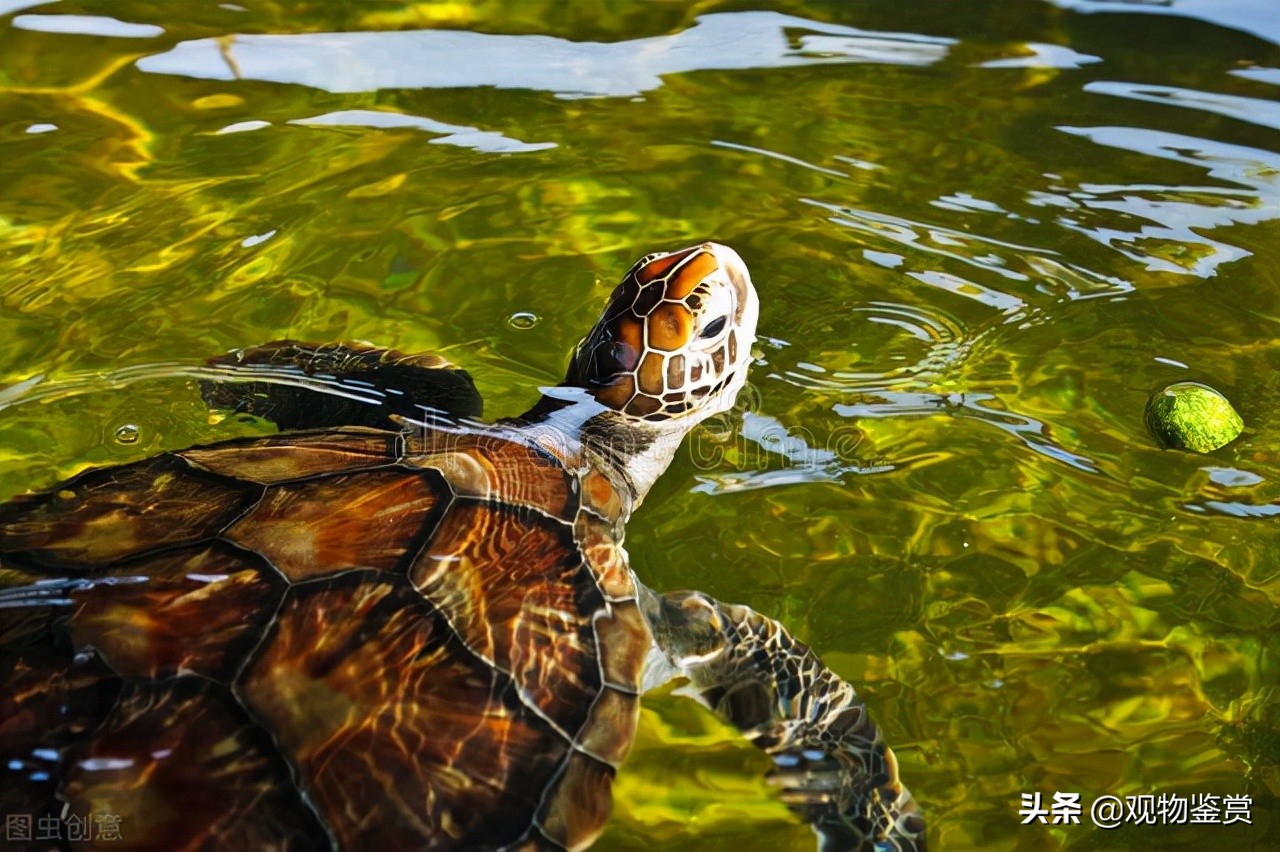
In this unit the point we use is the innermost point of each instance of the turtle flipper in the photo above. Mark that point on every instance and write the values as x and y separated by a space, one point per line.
833 766
305 386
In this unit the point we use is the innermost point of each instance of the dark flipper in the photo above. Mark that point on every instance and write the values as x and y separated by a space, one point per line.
834 768
306 386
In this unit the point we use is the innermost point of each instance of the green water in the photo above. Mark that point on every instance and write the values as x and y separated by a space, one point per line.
983 233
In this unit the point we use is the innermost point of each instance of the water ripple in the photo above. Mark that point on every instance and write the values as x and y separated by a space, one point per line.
983 407
805 459
934 239
368 61
1006 303
1252 110
463 136
1044 56
1174 216
1233 14
775 155
932 345
42 389
1236 509
452 134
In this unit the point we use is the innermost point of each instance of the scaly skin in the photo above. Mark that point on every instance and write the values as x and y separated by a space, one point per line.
833 765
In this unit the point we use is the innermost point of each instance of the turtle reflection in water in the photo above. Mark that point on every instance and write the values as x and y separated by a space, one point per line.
361 635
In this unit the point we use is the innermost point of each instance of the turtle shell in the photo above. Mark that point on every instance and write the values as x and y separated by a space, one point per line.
346 637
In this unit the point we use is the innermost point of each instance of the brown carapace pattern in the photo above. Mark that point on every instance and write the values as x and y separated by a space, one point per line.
638 360
345 637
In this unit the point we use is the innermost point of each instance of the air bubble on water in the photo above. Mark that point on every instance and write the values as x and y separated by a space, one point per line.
128 434
523 320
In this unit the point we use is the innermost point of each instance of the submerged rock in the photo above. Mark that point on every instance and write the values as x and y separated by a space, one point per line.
1192 416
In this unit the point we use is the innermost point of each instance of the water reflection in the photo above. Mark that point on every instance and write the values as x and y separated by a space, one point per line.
1044 56
981 247
1246 15
934 239
983 407
763 452
933 344
89 25
451 134
1262 75
367 61
1252 110
1172 241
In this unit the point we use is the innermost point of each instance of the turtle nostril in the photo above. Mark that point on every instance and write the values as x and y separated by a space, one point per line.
713 328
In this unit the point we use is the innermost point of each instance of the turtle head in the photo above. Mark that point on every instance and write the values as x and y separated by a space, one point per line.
671 349
674 343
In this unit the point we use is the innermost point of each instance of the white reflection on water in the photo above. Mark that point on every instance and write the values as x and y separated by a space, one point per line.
453 134
487 141
1252 110
1044 56
431 59
1261 75
1257 17
90 25
8 7
973 249
1178 214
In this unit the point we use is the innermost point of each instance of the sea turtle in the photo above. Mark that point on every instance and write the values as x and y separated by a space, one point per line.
388 631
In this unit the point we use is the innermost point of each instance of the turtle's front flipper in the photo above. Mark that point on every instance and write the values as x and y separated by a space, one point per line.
304 385
833 766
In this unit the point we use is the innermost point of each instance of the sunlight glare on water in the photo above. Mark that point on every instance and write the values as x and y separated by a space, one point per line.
983 234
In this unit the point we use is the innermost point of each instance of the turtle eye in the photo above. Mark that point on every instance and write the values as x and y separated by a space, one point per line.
713 328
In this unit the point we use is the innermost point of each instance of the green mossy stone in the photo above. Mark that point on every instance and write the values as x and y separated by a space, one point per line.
1191 416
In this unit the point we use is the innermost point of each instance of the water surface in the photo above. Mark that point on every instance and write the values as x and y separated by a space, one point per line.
983 233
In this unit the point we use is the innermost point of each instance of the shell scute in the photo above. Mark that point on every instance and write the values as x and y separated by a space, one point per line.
617 394
611 725
197 609
598 543
52 698
270 460
670 327
653 372
576 813
108 514
643 405
602 496
646 300
372 519
622 637
490 468
183 767
655 269
401 735
512 584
